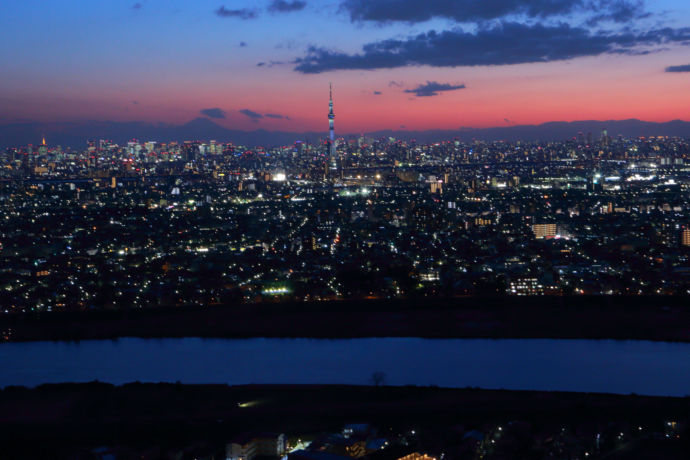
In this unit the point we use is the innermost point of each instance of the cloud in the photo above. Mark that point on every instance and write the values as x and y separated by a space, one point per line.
433 88
282 6
244 13
499 44
255 117
269 64
213 113
618 11
377 93
678 68
277 116
476 11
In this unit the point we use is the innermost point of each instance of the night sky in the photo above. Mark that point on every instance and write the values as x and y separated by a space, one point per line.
413 64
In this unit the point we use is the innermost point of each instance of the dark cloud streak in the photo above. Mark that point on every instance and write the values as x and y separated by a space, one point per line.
413 11
678 68
283 6
213 113
251 114
276 116
269 64
501 44
243 13
433 88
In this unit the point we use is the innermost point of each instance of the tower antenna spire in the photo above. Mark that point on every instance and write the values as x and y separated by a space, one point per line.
331 129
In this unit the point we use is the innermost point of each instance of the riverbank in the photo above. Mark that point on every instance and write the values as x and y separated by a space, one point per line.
60 417
601 317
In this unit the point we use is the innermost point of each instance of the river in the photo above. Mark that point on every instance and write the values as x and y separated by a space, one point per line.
607 366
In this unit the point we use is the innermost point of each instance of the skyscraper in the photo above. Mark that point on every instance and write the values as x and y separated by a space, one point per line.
43 148
331 129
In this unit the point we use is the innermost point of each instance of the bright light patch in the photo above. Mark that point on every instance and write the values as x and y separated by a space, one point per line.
276 291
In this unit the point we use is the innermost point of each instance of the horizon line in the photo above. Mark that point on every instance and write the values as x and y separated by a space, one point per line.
307 131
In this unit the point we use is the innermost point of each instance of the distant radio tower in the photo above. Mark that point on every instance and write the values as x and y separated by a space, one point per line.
331 129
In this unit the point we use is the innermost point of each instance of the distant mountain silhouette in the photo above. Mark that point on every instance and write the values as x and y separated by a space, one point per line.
75 134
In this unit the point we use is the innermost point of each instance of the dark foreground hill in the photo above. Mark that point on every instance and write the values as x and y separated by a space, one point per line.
54 421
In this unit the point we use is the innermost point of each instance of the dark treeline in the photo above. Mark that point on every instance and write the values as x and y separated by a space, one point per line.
598 317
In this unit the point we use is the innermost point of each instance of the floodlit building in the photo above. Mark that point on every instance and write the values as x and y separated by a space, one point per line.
249 446
526 286
544 230
417 456
685 237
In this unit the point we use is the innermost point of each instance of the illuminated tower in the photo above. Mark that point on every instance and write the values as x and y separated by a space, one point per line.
331 129
43 148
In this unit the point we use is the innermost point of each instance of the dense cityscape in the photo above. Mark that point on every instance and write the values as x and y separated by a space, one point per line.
485 256
197 223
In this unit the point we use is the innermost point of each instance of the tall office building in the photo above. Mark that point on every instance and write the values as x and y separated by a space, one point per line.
43 148
544 230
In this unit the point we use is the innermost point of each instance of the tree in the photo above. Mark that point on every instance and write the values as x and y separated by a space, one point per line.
378 378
